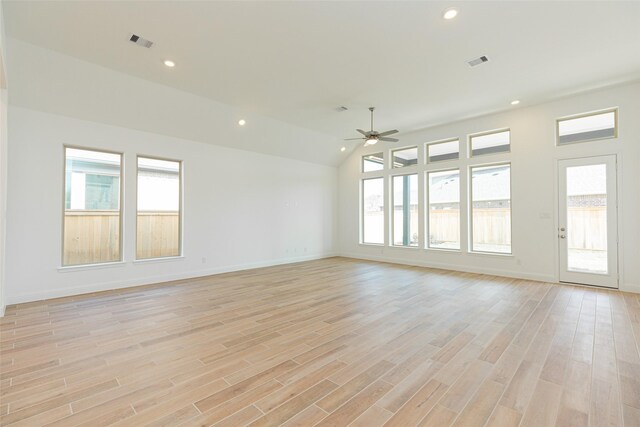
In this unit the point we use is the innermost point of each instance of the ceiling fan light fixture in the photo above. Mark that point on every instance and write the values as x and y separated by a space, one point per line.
371 140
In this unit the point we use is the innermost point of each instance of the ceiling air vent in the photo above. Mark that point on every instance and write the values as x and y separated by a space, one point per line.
140 41
478 61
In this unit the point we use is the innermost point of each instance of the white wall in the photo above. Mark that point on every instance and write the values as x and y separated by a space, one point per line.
45 80
3 159
534 191
241 209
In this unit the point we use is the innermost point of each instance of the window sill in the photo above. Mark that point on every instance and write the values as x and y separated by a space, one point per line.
498 254
161 259
375 245
81 267
404 247
453 251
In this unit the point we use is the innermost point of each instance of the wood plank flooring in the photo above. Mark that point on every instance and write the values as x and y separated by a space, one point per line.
333 342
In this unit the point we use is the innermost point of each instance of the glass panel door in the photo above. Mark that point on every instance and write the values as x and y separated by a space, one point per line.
588 234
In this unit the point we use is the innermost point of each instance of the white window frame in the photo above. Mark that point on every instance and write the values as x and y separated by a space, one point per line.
120 207
391 155
490 132
180 207
442 141
362 160
393 210
470 207
384 200
427 209
613 110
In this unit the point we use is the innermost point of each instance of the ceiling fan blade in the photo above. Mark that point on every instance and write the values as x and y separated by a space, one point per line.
389 132
353 139
389 139
363 132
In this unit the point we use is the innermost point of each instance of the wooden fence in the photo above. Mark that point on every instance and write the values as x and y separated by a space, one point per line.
94 236
586 228
158 235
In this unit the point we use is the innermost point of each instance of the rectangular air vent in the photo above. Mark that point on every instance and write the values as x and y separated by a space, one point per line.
140 41
478 61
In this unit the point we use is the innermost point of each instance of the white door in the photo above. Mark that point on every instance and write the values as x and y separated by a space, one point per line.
588 232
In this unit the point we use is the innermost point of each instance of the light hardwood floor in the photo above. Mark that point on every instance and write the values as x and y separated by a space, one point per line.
333 342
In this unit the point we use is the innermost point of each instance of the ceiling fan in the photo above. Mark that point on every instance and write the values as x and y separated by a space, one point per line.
372 136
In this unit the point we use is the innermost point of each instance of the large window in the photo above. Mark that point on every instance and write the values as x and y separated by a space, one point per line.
587 127
405 210
158 213
373 211
92 220
491 208
444 209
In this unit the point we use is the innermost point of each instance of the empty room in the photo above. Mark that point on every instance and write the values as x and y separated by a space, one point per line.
320 213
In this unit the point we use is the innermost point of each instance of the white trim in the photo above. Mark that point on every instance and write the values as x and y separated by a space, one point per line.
630 287
455 267
158 259
107 286
98 266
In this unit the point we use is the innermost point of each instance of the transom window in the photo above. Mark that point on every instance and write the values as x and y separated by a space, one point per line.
443 150
373 162
490 143
587 127
405 157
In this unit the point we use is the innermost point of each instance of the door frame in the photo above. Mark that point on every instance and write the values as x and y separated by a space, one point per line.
609 281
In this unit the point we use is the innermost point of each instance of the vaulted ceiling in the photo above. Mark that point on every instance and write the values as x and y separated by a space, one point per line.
299 61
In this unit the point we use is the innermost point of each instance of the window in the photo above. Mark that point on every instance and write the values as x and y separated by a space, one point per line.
158 212
587 127
444 209
405 210
405 157
445 150
373 211
491 208
490 143
92 220
373 162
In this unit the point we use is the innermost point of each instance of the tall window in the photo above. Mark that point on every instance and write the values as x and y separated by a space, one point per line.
444 209
373 211
158 214
92 216
405 210
491 208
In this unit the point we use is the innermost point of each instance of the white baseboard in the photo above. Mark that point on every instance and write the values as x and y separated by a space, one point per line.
122 284
456 267
630 287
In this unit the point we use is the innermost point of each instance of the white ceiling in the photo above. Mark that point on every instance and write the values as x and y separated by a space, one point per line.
298 61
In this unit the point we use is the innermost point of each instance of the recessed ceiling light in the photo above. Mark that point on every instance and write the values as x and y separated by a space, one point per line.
343 148
450 13
242 122
515 102
169 63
